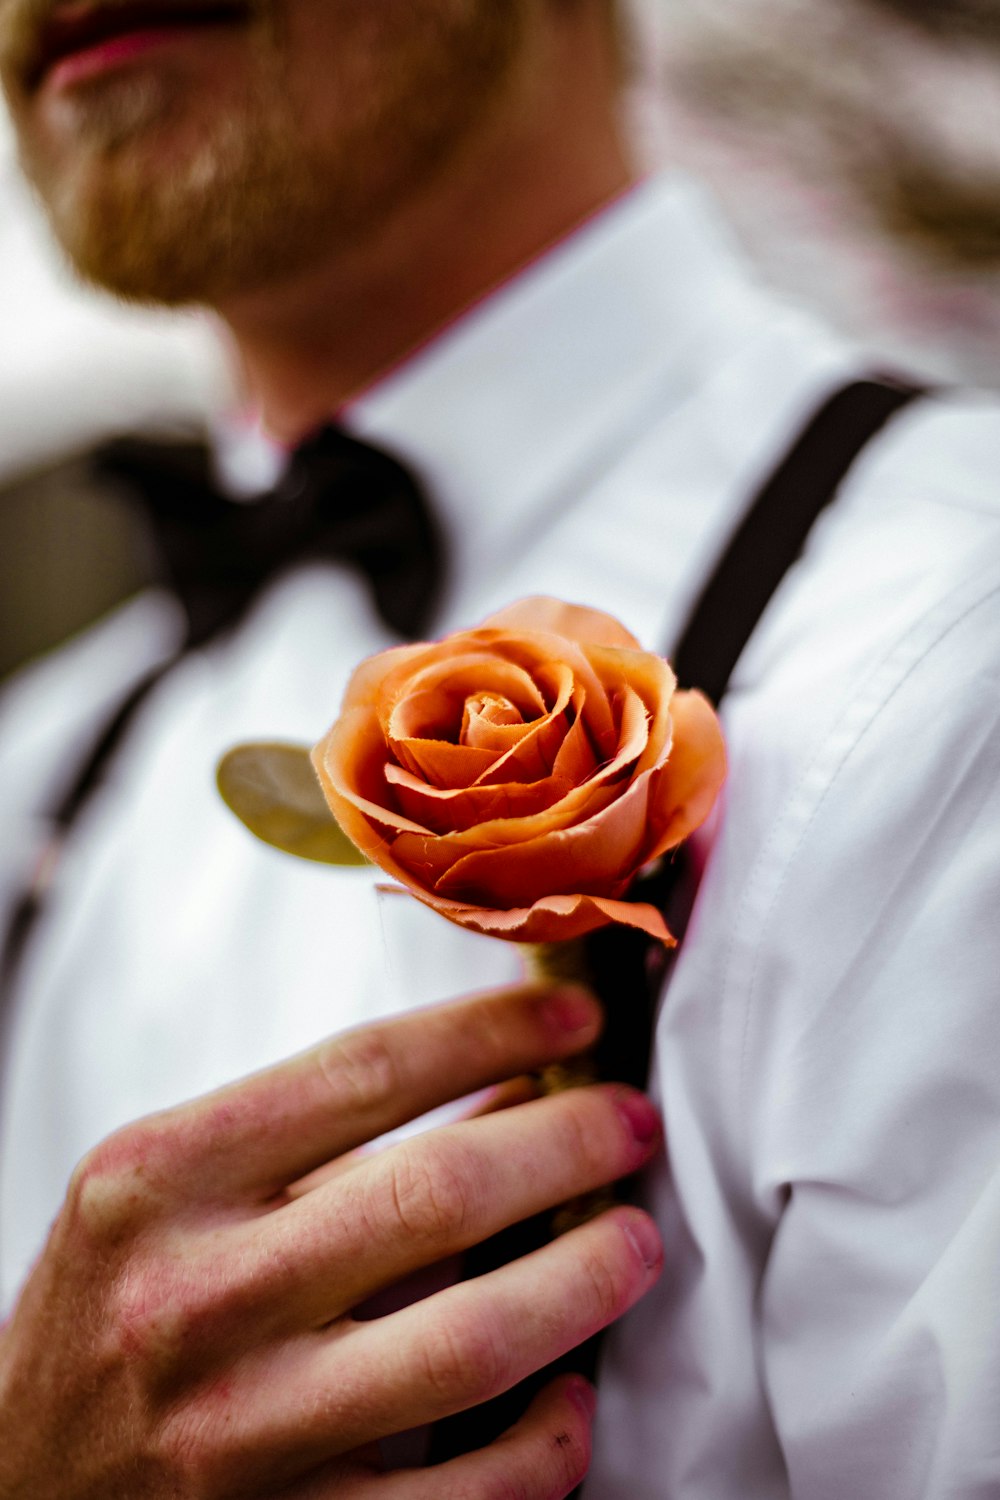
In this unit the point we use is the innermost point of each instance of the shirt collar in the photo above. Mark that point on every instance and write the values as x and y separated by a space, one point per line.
533 391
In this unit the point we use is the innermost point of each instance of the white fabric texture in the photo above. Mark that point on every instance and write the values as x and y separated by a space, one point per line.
828 1050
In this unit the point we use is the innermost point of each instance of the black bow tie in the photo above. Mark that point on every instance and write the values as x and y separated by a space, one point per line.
340 499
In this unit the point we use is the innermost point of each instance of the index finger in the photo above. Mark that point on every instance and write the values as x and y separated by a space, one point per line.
259 1135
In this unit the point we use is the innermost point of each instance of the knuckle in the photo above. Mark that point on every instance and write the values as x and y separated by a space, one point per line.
464 1364
170 1319
112 1190
361 1069
430 1192
149 1321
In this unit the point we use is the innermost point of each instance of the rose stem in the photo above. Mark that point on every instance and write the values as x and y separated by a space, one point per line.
567 963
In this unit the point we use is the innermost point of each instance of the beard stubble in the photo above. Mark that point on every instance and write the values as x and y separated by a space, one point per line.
160 209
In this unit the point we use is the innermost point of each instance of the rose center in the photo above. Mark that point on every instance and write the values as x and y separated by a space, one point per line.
487 709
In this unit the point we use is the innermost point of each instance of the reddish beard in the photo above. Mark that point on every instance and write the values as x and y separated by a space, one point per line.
164 190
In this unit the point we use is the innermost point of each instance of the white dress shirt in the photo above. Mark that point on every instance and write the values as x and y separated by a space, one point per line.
828 1050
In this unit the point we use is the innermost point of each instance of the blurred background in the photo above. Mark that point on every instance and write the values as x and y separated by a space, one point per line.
854 145
75 368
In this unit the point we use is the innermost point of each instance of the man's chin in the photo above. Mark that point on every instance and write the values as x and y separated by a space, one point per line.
140 251
145 208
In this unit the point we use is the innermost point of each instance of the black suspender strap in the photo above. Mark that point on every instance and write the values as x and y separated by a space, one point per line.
773 531
627 970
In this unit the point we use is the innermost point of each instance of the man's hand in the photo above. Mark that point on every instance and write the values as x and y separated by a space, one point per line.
188 1331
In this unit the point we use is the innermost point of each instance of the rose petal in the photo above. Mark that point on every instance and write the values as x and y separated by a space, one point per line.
577 806
575 762
594 857
432 705
492 722
369 678
652 679
581 804
434 854
543 655
350 763
689 783
633 728
574 621
532 755
457 809
554 919
442 764
531 759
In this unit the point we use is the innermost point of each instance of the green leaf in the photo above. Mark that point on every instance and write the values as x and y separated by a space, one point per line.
273 789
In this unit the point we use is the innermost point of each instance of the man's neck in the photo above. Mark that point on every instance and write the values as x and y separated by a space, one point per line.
553 159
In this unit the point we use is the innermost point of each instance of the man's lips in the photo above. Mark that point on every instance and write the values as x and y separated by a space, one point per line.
77 28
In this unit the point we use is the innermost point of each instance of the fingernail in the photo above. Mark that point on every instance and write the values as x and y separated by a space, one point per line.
571 1008
583 1397
639 1115
645 1238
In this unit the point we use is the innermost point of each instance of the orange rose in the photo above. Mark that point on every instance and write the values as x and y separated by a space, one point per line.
516 777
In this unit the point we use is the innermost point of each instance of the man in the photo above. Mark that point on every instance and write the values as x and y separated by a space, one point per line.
341 181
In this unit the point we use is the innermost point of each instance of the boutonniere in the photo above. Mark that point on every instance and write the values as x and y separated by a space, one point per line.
515 777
